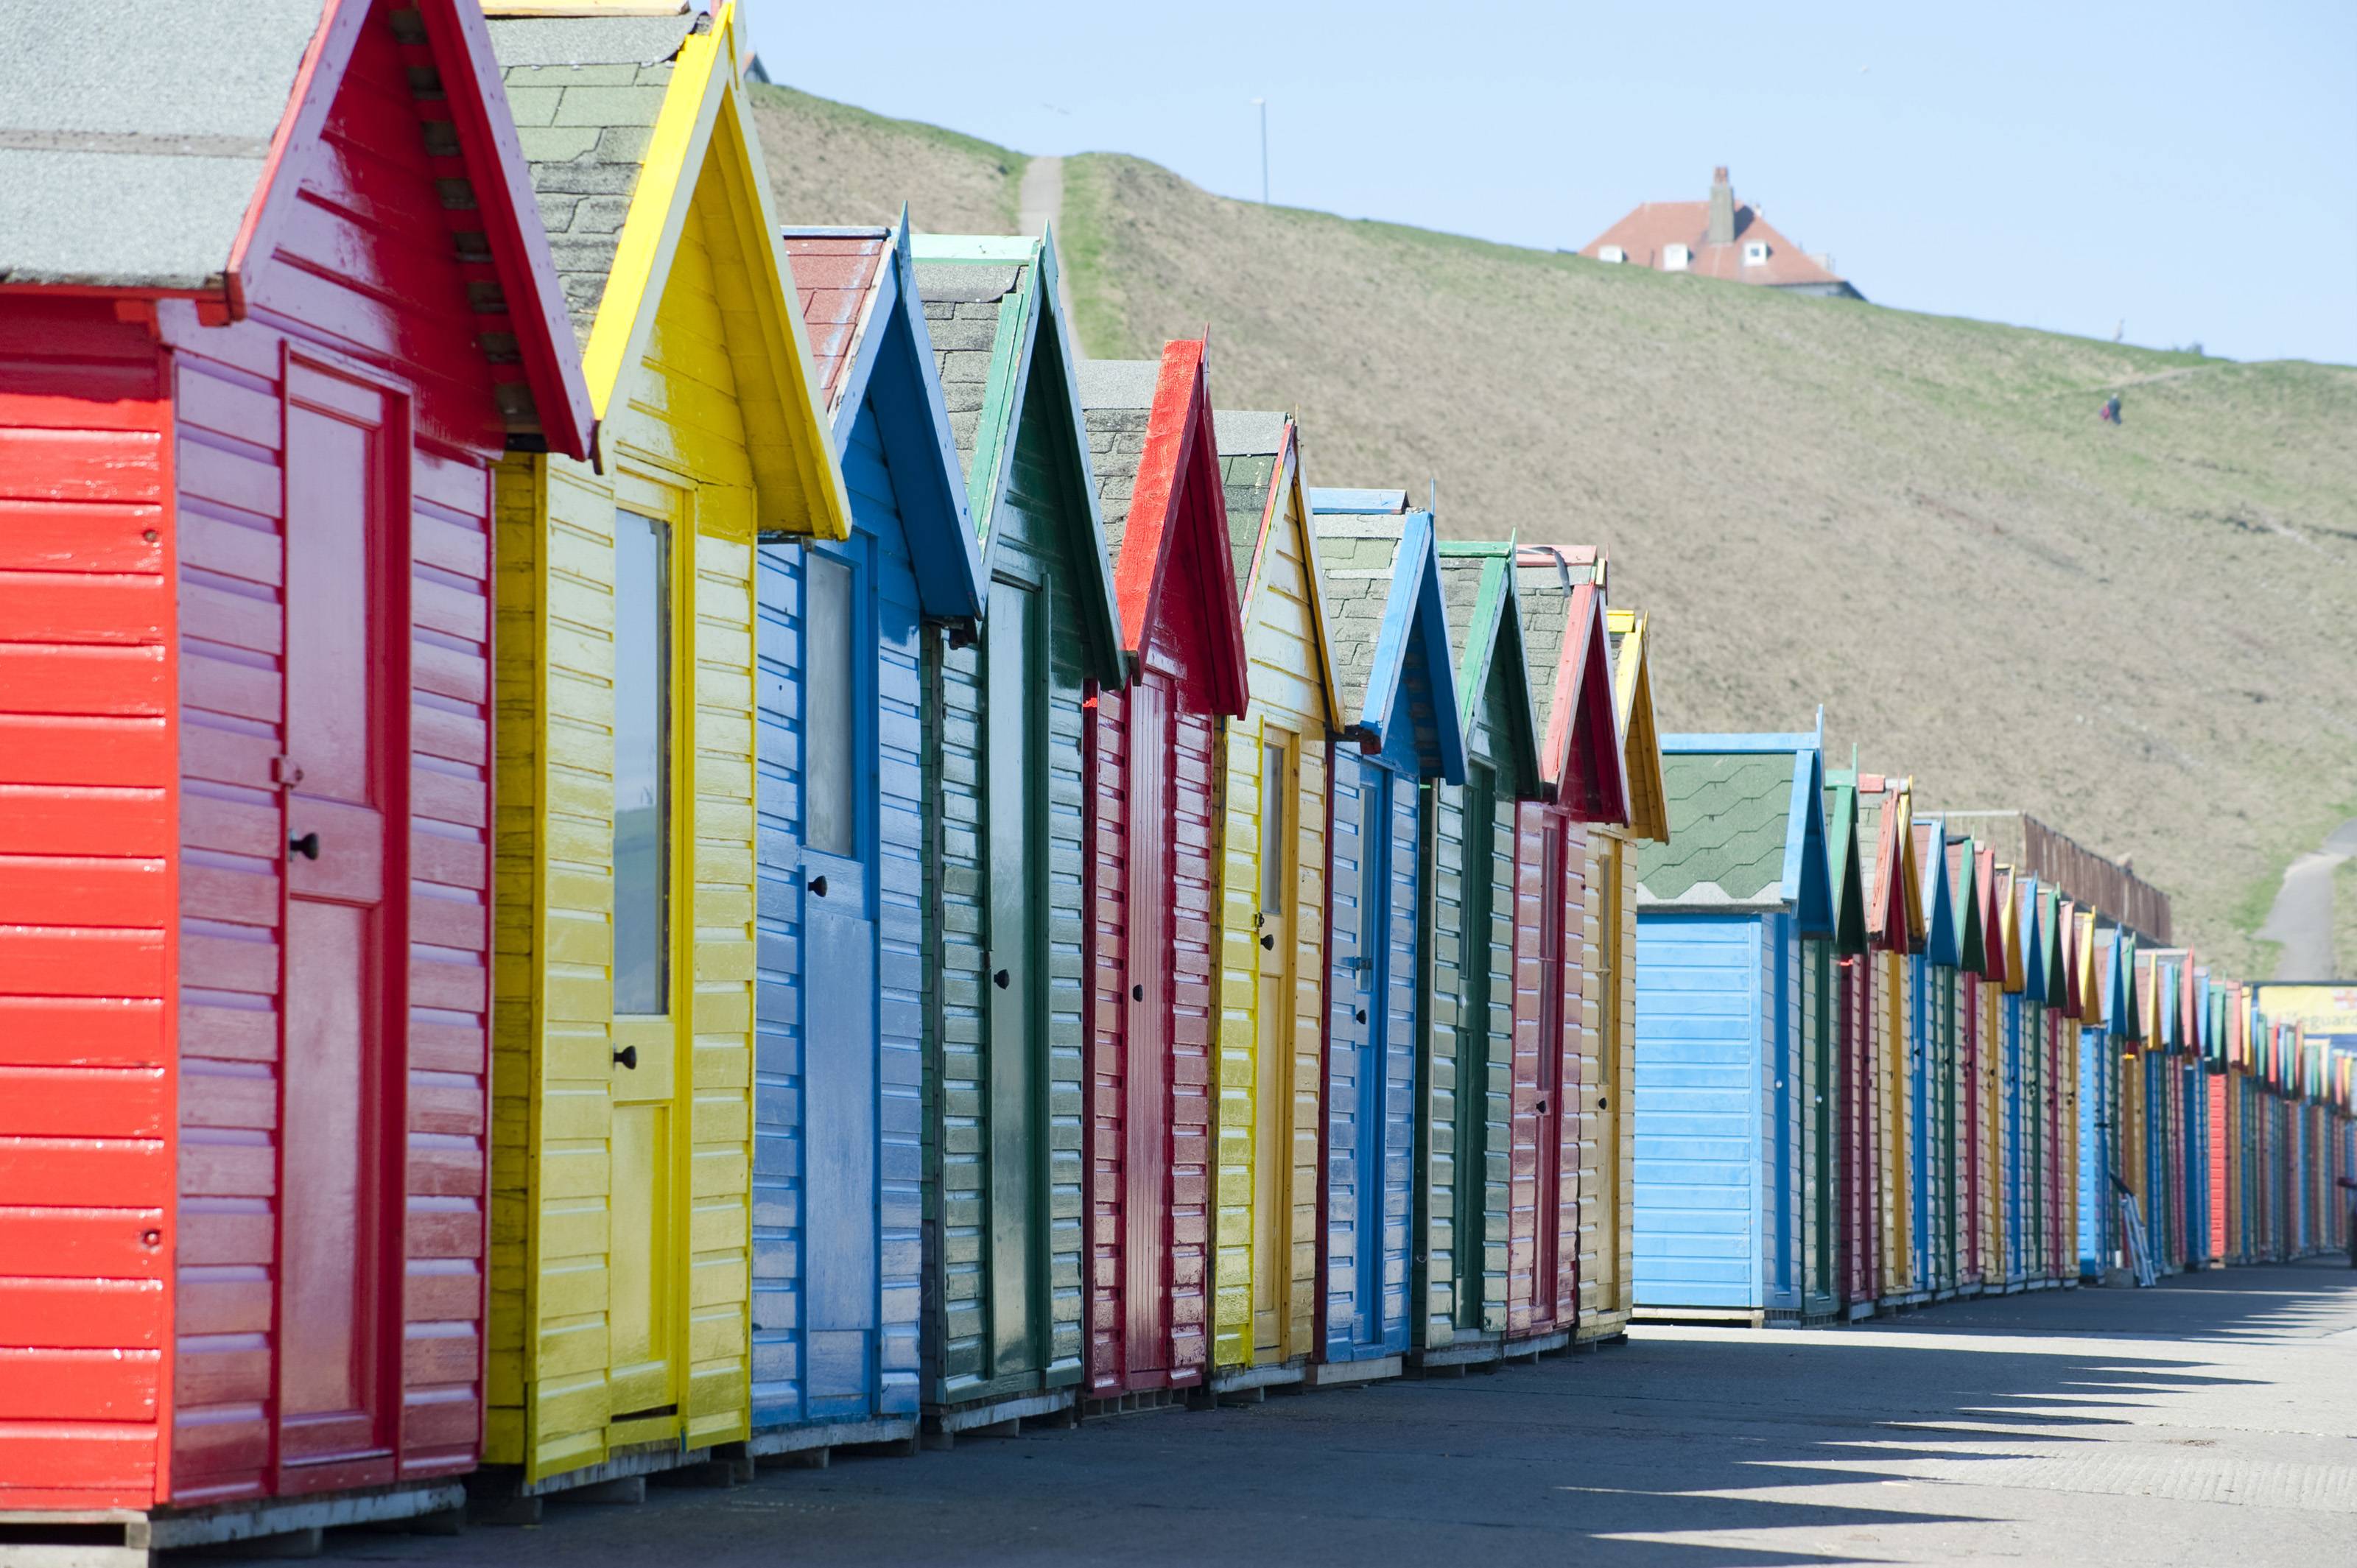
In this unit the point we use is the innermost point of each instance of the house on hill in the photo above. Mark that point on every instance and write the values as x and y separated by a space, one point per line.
1717 238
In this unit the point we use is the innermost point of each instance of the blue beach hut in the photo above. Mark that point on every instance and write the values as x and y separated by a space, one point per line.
1391 666
1722 909
836 1212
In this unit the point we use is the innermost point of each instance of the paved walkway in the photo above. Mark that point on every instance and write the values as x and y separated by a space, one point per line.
2301 919
2212 1420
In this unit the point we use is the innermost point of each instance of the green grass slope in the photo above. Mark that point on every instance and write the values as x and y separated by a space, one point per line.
2146 635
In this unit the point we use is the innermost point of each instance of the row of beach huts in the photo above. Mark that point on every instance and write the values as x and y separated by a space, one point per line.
632 838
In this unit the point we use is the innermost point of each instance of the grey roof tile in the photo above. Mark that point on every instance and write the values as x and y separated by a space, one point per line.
1118 383
1249 440
1358 554
965 296
1729 812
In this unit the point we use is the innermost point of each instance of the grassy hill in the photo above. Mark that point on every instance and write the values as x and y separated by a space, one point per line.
2147 634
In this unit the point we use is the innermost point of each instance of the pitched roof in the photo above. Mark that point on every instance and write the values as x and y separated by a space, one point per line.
1941 943
1582 751
1383 593
1260 465
1158 471
1485 614
141 149
1848 876
1632 706
857 288
991 307
1964 889
1747 834
628 122
1653 226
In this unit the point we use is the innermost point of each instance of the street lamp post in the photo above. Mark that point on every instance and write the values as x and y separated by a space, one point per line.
1262 103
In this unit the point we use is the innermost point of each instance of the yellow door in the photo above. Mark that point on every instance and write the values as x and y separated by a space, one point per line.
1273 1054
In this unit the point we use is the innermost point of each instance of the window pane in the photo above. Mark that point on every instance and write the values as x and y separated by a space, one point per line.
1275 791
831 817
642 763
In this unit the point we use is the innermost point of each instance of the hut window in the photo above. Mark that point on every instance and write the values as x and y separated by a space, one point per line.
642 763
831 823
1275 787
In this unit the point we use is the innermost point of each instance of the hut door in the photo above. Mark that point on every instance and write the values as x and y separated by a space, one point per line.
1478 960
644 1263
1014 1135
1547 1228
1145 1076
839 1008
1271 1263
342 976
1368 1107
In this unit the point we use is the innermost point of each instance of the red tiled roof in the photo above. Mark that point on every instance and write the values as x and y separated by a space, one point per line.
1643 235
834 273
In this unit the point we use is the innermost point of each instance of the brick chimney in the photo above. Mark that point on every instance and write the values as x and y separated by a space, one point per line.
1722 209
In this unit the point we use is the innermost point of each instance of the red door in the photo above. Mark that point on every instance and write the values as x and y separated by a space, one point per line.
1145 1076
337 1296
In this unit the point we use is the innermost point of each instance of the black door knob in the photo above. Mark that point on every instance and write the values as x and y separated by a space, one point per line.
1603 1103
1001 980
1542 1103
1268 940
818 885
1360 1014
307 846
629 1057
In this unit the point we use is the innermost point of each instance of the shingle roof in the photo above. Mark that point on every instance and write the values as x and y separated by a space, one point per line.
1545 593
1251 440
133 136
586 93
834 272
1358 554
962 312
1730 817
1117 402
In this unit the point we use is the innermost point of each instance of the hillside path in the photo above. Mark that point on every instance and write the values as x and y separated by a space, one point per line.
2210 1420
2302 917
1040 204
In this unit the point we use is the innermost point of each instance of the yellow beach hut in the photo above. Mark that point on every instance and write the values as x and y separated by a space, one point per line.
1272 920
624 952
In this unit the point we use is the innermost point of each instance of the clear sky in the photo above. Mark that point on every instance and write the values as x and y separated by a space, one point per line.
2187 168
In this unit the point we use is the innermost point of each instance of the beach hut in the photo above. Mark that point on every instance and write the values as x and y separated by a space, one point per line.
1608 1115
1894 926
1856 1086
260 353
1007 1007
2057 919
1997 941
1935 1103
840 922
1504 1046
2098 1116
1268 1224
1152 778
626 768
1603 770
1723 908
1391 646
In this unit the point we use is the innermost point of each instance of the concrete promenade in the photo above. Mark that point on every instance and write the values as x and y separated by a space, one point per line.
2212 1421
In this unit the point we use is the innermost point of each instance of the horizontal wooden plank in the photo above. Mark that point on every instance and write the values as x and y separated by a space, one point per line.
83 1315
124 1243
67 679
81 465
58 750
84 1101
84 890
52 960
82 607
52 1465
83 820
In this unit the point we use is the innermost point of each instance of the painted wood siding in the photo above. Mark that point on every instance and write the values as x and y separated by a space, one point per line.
1701 1108
1607 1103
1035 522
785 1234
89 799
1893 1010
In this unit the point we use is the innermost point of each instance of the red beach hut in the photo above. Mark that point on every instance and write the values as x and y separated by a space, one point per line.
254 372
1151 768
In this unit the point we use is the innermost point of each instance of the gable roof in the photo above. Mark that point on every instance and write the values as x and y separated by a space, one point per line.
1746 831
1940 944
1990 894
1581 753
1382 586
1484 611
1260 464
1156 459
991 306
1893 911
2029 900
127 165
1964 889
1844 875
623 164
869 349
1641 745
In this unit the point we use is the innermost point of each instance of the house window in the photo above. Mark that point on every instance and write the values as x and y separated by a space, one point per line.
1612 253
1755 253
1676 258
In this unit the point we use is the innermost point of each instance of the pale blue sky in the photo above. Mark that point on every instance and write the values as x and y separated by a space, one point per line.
2190 168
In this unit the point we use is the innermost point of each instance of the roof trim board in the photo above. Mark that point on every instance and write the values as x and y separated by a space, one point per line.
1415 614
914 427
1641 745
1811 896
1843 876
1181 464
1964 890
705 96
1497 614
1931 856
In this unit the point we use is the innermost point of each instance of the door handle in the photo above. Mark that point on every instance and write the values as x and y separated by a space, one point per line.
628 1057
1541 1104
1603 1103
1360 1014
818 885
307 846
1137 994
1001 980
1268 940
